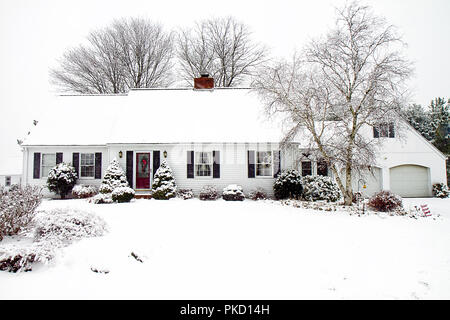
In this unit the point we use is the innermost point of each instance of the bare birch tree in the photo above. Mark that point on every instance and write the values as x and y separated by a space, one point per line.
130 53
221 47
337 88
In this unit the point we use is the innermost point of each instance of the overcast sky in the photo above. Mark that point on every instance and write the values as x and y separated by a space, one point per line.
34 34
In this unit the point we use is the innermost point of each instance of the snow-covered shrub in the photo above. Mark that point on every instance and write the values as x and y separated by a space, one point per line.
320 188
208 193
233 192
258 194
122 194
288 185
61 179
101 198
185 194
440 190
53 229
81 191
385 201
114 178
61 227
164 186
17 209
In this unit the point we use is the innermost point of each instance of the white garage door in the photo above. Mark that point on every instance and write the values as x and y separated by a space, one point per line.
410 181
371 179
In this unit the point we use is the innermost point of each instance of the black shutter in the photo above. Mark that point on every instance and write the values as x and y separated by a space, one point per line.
59 157
190 164
216 164
156 161
76 162
376 133
391 130
37 165
98 165
251 163
276 163
130 168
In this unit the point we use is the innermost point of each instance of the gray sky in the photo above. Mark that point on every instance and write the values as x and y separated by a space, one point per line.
34 34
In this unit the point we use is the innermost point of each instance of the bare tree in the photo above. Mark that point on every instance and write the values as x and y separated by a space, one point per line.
131 53
221 47
338 88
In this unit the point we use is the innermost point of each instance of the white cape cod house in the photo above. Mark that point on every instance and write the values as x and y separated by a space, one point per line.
212 136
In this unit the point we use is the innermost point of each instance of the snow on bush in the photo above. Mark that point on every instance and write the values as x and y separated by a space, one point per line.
114 178
320 188
233 192
440 190
53 229
385 201
17 209
185 194
288 185
164 186
208 193
81 191
122 194
62 226
61 179
101 198
258 194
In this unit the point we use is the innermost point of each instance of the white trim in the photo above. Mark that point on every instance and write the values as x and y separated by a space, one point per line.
271 164
210 164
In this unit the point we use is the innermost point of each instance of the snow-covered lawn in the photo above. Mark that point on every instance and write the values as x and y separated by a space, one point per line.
245 250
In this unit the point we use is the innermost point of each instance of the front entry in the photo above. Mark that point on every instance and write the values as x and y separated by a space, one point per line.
143 170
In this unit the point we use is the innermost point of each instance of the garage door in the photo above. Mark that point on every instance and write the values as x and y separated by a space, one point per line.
410 181
371 179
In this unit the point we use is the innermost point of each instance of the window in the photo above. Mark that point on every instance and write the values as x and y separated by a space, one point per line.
203 164
306 168
322 168
384 130
7 181
264 163
87 165
48 162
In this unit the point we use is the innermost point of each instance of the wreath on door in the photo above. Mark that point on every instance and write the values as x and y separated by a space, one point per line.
144 164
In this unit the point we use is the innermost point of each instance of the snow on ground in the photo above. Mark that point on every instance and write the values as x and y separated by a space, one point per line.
245 250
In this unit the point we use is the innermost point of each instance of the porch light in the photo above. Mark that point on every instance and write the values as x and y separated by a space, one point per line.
120 154
165 154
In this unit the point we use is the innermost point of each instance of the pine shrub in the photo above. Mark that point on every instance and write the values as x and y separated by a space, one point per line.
233 192
61 179
288 185
385 201
114 178
440 190
208 193
317 188
164 186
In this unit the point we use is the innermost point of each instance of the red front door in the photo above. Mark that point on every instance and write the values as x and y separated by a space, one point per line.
143 170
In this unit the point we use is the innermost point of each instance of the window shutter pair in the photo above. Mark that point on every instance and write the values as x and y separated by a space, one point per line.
98 164
190 164
251 163
37 163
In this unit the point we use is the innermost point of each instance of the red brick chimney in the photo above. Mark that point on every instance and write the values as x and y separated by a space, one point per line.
204 82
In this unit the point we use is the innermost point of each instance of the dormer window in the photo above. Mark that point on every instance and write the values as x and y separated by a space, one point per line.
384 130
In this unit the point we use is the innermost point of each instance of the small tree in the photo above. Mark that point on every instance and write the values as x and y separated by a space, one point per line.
61 179
114 178
164 186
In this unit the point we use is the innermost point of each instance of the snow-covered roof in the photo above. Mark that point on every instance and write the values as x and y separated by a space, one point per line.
156 116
